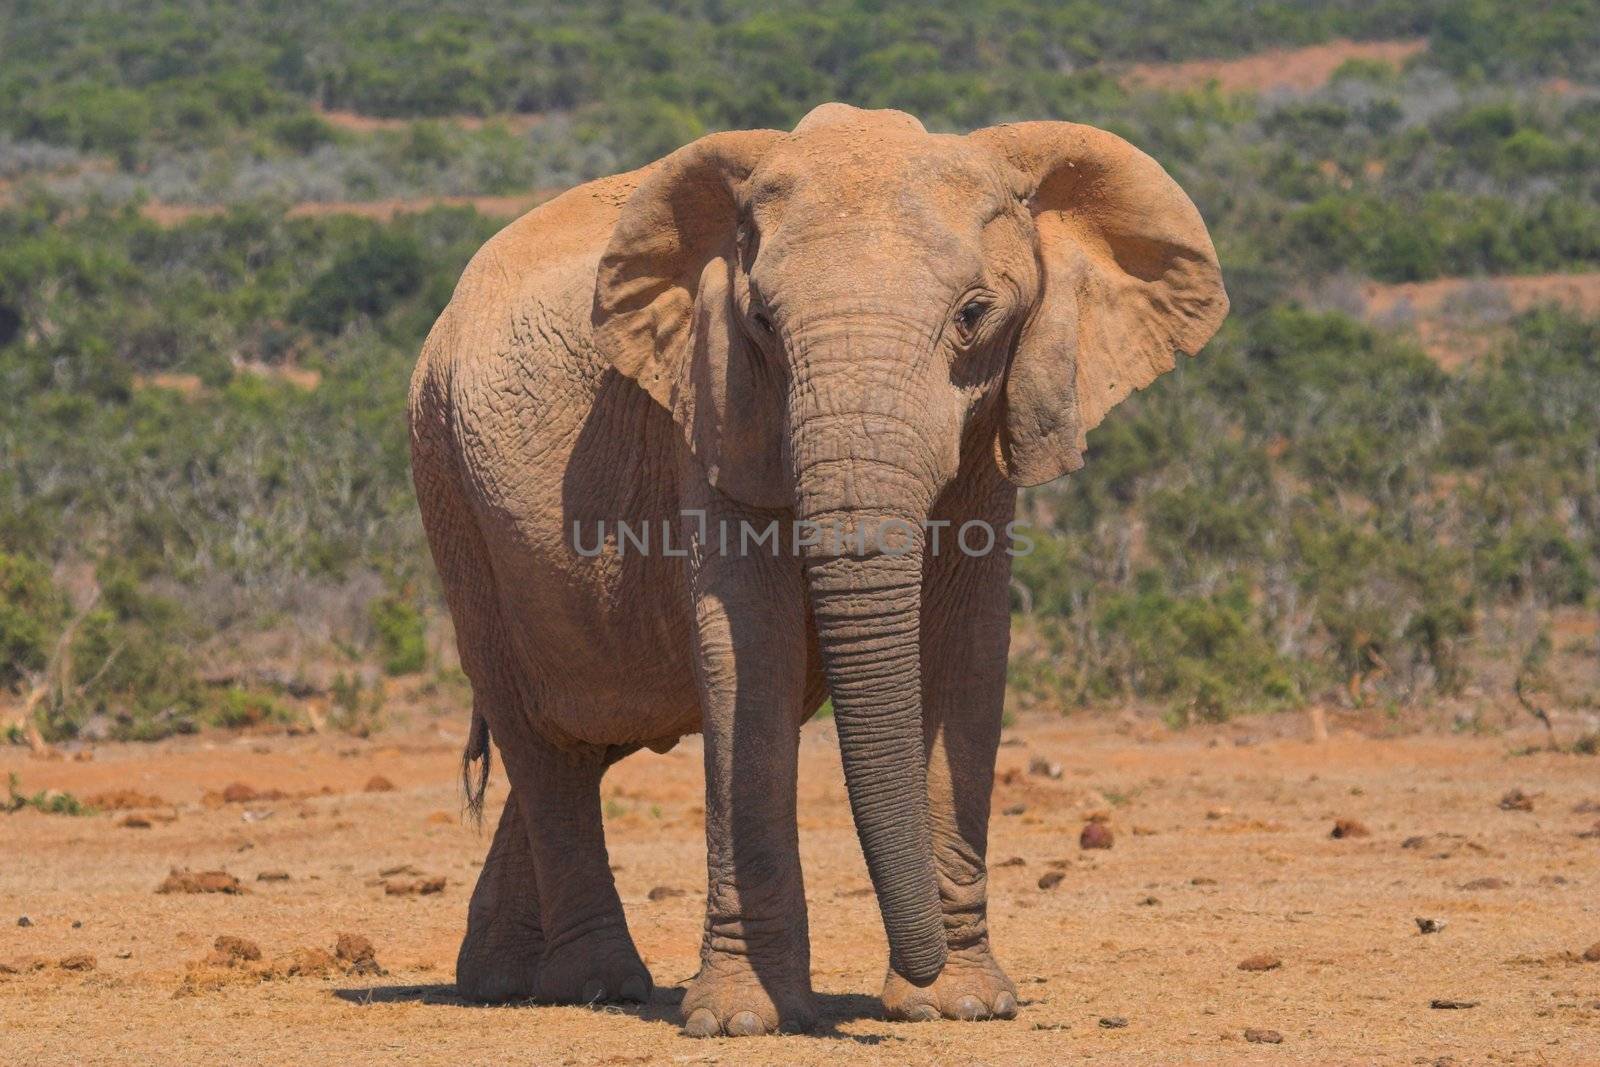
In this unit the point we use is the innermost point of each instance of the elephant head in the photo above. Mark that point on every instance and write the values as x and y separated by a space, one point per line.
836 318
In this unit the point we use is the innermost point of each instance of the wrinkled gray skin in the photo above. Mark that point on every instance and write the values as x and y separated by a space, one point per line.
852 322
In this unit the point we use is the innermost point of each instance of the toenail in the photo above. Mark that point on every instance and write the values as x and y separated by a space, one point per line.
922 1013
593 990
1005 1006
746 1024
635 989
969 1008
702 1023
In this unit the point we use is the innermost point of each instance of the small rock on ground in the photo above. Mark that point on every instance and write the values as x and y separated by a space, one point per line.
419 888
1486 883
1260 962
1095 835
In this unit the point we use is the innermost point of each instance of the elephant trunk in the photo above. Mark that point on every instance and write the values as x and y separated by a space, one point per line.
861 479
868 614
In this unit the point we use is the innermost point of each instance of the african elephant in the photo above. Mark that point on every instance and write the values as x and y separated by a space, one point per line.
852 326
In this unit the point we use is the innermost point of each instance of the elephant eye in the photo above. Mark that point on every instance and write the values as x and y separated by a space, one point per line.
969 316
763 322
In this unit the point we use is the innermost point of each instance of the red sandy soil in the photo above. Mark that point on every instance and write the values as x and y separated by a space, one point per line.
1222 853
192 388
359 123
1460 319
1300 69
508 207
8 186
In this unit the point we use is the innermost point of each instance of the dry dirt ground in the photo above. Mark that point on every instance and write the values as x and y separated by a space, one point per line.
1222 851
1458 320
1295 69
505 207
356 122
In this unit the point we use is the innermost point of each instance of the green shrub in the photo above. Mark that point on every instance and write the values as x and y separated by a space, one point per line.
47 801
401 632
237 708
356 710
1202 654
32 612
303 132
366 280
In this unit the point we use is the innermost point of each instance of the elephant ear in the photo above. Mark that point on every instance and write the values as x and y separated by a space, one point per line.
1129 277
664 313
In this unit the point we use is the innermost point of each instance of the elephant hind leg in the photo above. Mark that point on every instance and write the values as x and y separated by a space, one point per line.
500 953
588 953
499 957
547 871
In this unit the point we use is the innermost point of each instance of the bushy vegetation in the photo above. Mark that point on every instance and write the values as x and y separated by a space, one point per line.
146 426
201 425
119 75
1313 506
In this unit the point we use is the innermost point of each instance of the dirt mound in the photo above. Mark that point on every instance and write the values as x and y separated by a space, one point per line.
355 953
240 793
22 965
183 880
1298 69
124 800
228 950
414 887
238 961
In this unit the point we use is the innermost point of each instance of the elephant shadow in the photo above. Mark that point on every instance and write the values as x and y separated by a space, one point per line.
832 1008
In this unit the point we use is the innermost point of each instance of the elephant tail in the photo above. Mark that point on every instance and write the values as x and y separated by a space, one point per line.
475 779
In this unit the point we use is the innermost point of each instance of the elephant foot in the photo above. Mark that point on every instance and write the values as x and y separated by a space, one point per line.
601 966
732 997
970 988
499 957
497 980
499 961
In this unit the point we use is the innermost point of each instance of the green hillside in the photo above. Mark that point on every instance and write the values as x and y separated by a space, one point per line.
202 445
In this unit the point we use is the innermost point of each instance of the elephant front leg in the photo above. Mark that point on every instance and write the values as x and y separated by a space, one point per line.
966 635
755 956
